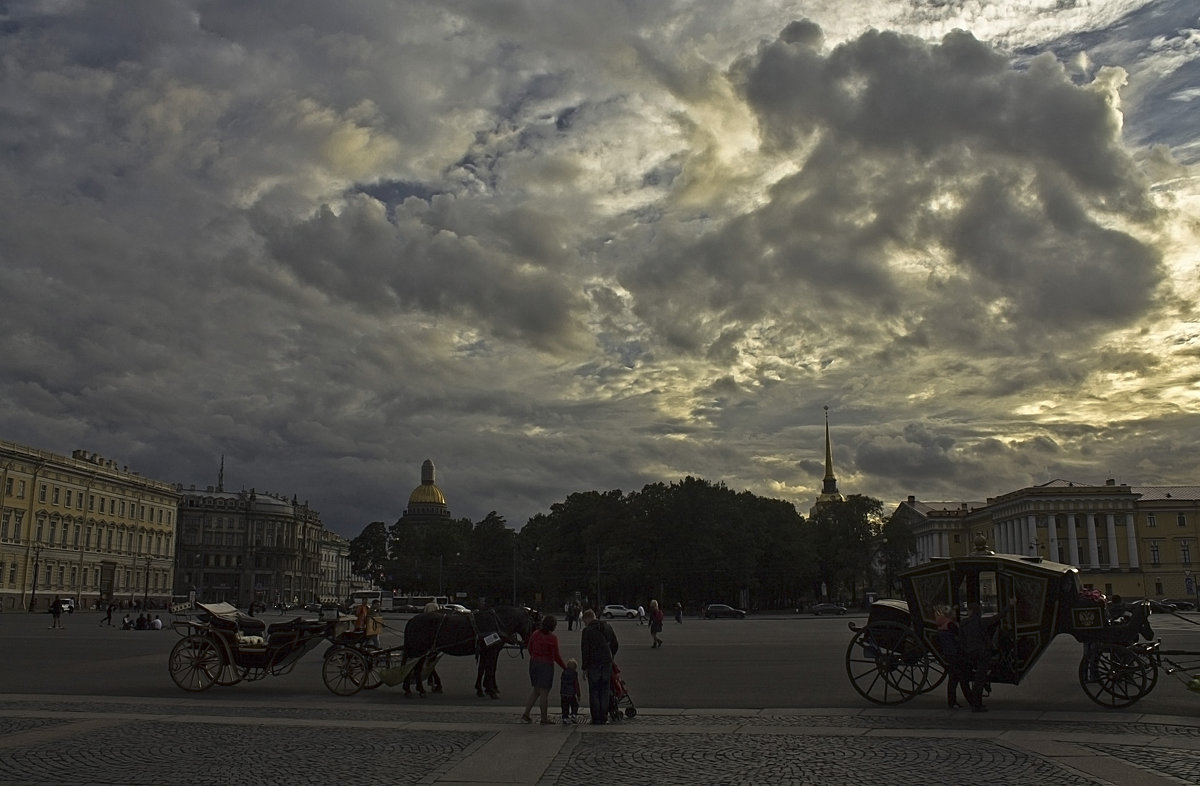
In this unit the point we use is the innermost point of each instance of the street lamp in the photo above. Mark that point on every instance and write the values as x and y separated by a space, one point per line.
146 588
37 553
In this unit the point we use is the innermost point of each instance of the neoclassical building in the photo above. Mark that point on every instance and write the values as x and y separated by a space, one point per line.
82 527
248 545
1135 541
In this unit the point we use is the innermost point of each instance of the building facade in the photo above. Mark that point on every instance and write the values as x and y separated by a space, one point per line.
337 575
84 528
248 546
1133 541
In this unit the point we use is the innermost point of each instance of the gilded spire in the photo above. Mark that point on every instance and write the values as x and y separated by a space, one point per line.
829 489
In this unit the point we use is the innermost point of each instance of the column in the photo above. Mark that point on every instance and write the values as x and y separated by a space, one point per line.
1052 537
1072 541
1131 541
1110 525
1031 529
996 539
1093 550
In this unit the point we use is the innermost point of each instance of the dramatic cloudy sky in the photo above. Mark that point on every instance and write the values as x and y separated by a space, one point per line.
562 246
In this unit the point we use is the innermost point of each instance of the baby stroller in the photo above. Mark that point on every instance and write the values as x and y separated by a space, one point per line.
619 695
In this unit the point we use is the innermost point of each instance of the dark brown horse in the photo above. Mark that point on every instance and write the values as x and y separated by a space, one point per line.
481 633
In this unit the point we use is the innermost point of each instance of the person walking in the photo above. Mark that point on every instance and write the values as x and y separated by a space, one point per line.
543 655
656 623
598 644
974 641
641 615
56 612
108 614
679 613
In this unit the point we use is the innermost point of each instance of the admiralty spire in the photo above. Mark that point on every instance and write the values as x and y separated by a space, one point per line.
829 490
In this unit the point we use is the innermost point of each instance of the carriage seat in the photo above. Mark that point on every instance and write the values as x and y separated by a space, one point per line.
227 616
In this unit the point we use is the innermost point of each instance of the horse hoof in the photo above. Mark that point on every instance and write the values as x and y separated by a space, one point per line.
494 695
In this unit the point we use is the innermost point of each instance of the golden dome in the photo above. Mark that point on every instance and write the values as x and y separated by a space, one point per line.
426 494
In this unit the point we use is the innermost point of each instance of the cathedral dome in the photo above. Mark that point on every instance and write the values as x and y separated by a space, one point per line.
426 494
427 500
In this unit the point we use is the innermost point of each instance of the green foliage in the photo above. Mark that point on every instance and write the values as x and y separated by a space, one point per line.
691 541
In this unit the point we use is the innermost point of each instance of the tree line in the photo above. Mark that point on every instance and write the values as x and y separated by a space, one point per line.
691 542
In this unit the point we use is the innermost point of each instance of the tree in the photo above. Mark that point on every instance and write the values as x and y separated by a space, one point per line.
844 536
369 552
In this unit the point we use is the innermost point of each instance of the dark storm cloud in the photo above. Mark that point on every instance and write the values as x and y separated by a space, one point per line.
567 246
1001 184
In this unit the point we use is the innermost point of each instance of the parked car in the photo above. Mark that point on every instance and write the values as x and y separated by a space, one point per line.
617 610
67 605
456 607
1181 604
827 608
1159 607
714 610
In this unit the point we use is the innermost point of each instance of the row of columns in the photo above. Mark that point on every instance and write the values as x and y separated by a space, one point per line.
1019 536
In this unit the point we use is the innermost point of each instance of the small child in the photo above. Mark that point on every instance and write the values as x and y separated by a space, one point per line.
569 692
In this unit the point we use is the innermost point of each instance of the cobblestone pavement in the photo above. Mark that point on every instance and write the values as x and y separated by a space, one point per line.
56 740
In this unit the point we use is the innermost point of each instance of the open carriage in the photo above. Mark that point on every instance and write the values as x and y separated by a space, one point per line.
1026 601
224 646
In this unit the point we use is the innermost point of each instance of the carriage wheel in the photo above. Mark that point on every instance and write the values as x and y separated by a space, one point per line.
1115 676
231 674
377 664
195 663
345 671
888 664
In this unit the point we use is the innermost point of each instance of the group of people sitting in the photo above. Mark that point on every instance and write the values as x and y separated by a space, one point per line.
143 622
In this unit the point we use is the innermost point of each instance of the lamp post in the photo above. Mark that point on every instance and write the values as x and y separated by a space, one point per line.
37 553
146 588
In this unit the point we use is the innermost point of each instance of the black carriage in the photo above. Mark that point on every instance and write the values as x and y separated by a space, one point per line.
1026 602
224 646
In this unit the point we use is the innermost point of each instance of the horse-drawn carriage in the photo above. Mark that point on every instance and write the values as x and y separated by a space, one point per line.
224 646
1027 602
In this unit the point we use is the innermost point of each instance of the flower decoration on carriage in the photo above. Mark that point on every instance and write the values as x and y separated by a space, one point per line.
1092 595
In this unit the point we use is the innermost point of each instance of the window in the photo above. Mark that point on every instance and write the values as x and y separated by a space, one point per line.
67 499
1181 519
1158 587
53 530
60 575
40 524
1155 554
42 493
20 489
12 574
77 530
57 493
16 533
63 541
8 486
1185 552
91 501
122 513
1150 520
4 518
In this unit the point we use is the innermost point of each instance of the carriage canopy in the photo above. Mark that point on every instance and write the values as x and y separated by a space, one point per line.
1026 601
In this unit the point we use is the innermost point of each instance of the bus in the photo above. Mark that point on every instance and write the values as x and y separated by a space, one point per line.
380 599
417 603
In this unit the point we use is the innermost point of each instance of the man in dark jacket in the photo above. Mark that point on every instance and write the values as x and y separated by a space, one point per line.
974 639
598 645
